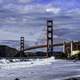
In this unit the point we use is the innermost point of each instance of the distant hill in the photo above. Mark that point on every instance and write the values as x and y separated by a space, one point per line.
6 51
15 43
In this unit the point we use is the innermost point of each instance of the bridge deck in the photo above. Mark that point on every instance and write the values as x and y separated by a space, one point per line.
42 46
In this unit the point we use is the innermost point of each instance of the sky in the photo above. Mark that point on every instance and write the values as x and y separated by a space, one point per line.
28 18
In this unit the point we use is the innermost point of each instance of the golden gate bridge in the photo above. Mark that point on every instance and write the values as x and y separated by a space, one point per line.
49 42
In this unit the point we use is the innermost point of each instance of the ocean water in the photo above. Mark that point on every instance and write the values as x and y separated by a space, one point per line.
39 69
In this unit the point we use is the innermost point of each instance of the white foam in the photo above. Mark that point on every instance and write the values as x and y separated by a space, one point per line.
6 64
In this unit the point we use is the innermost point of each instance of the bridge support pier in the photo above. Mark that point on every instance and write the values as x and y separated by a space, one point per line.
49 38
64 47
21 46
68 48
71 48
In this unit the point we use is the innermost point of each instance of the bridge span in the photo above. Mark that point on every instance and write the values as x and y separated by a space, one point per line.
42 46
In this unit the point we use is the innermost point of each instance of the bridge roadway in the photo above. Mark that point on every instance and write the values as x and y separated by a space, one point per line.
42 46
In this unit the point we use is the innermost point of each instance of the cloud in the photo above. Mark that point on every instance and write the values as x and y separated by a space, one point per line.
53 10
74 12
1 1
4 35
24 1
28 17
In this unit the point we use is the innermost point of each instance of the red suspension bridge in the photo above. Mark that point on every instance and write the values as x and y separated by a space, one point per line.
49 43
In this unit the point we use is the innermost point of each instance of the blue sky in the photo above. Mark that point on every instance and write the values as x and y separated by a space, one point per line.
28 18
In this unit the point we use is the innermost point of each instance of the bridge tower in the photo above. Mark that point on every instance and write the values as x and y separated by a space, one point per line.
21 46
49 38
